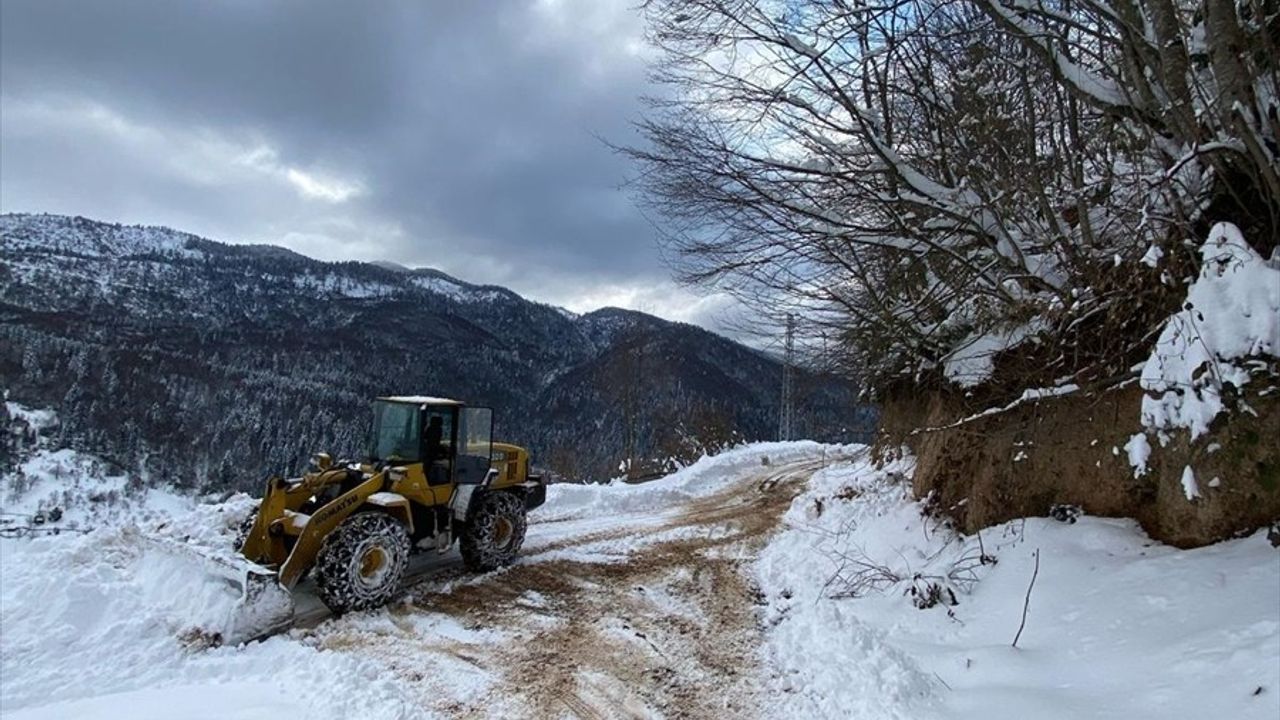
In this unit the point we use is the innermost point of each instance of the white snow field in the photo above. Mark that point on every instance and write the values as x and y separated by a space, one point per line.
719 591
1118 626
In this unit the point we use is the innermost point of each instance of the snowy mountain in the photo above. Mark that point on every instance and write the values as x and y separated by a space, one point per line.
213 364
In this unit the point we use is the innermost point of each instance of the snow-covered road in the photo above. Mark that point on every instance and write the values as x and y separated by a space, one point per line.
635 613
772 581
625 596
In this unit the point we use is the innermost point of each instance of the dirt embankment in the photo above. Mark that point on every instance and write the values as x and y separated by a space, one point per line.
1071 450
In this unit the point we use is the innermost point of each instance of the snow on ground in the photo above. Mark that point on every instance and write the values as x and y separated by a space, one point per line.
75 488
699 479
93 623
1118 626
104 624
96 622
87 495
252 701
113 612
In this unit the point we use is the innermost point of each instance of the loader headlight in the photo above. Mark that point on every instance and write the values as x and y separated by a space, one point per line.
396 474
321 461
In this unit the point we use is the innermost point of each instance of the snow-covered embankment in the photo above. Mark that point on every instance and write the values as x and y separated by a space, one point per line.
1118 626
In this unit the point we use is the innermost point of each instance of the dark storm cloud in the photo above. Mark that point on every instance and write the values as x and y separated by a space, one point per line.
315 70
460 135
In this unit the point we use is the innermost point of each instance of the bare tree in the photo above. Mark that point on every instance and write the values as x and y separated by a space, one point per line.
920 179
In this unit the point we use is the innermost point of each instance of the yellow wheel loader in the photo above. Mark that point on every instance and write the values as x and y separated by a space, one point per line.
433 476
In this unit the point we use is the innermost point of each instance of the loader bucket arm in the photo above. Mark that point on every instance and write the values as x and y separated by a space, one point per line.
259 545
282 501
323 522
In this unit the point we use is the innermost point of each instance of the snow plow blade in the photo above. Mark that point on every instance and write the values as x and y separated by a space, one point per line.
265 608
224 599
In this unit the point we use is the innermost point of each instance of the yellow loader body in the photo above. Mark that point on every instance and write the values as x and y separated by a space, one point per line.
433 476
286 538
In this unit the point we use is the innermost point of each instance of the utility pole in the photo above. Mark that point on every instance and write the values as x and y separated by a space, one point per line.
786 410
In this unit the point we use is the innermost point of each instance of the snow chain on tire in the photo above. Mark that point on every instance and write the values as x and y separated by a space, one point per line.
362 562
494 531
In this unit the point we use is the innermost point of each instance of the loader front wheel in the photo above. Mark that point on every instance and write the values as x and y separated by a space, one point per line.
362 562
494 531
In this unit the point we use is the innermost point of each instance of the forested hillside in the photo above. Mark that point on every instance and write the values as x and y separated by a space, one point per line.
211 365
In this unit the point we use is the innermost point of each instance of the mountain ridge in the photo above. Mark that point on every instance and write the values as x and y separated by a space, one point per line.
164 246
184 355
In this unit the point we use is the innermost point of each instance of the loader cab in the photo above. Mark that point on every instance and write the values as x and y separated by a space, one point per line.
453 442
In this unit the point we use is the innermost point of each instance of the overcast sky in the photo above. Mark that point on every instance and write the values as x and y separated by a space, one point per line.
464 136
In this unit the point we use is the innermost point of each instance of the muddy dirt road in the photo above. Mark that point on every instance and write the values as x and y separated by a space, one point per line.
638 614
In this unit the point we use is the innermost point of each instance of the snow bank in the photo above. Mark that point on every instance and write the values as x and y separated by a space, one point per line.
1231 315
120 617
96 623
1119 626
825 661
706 476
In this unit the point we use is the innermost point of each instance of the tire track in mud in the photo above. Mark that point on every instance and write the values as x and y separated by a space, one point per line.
449 567
670 627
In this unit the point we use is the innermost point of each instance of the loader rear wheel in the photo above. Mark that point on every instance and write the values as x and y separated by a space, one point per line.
494 531
362 562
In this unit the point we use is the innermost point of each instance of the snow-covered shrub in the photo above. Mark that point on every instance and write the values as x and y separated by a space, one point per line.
848 497
1227 332
932 594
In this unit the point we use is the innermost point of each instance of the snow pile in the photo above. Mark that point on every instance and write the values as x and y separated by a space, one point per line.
707 475
827 662
1229 323
111 619
1118 626
123 612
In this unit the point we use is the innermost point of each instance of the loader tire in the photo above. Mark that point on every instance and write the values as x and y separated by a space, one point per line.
494 531
362 562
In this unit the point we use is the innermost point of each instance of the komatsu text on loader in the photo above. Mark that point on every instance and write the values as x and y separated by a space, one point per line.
433 475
